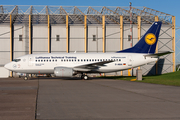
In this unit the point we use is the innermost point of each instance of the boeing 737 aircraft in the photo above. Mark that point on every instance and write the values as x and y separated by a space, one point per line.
70 64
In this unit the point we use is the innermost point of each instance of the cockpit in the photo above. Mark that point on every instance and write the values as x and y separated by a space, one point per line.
17 60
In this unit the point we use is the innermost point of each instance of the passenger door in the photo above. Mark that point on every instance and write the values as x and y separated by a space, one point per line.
30 60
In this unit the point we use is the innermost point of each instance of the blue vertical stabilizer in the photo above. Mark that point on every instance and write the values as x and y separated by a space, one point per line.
147 44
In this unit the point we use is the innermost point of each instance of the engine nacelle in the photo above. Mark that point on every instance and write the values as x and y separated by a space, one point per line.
63 72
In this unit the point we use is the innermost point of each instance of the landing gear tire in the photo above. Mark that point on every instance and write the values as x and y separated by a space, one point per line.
25 78
84 77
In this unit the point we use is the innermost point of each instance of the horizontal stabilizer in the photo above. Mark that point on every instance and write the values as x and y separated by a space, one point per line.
158 54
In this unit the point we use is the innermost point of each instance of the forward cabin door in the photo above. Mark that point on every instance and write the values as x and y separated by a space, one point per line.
30 60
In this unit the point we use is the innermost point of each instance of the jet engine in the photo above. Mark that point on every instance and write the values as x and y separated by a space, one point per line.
63 72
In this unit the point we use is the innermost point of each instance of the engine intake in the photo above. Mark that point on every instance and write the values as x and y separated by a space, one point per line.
63 72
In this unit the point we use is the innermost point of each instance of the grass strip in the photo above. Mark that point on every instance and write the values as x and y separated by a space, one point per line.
165 79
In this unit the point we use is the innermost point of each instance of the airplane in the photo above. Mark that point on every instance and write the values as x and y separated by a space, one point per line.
70 64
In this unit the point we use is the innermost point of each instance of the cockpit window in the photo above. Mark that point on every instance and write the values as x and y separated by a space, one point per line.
17 60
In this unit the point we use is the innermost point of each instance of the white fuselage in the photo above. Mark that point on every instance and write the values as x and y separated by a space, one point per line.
45 63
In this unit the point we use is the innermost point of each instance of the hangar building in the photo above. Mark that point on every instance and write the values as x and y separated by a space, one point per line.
65 29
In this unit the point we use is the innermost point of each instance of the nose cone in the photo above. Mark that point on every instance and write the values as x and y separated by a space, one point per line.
8 66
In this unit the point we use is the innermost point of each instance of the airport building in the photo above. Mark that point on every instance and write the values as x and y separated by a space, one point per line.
82 29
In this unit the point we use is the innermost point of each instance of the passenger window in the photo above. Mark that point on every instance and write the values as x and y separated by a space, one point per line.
92 59
56 60
49 60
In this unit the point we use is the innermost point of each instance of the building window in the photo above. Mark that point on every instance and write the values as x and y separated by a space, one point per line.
94 37
20 38
129 38
57 38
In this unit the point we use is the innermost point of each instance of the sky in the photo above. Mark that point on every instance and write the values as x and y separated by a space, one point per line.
167 6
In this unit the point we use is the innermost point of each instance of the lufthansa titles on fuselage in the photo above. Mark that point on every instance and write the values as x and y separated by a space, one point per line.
56 57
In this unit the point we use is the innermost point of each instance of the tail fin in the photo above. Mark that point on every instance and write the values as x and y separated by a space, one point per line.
147 44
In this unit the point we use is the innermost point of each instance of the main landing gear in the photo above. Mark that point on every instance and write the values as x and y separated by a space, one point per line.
84 77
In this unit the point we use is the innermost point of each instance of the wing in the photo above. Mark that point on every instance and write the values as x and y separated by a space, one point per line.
91 66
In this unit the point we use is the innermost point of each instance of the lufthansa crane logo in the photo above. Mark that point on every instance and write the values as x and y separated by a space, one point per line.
150 39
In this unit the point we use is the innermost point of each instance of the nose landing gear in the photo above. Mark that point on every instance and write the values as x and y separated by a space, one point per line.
26 78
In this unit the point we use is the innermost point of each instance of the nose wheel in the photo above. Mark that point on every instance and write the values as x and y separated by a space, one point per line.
26 78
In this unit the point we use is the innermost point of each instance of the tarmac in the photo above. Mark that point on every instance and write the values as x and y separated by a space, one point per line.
94 99
18 99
